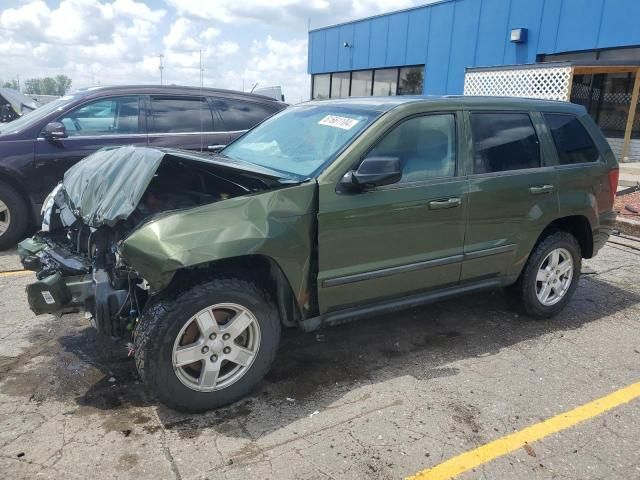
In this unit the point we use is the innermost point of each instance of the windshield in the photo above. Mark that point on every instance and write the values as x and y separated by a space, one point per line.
301 140
36 115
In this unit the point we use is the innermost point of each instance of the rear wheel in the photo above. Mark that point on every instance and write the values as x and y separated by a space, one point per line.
550 276
209 346
13 216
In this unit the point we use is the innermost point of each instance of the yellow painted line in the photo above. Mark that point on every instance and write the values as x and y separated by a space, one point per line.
502 446
11 273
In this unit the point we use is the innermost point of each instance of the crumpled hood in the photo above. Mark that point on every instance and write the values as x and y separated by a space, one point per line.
107 186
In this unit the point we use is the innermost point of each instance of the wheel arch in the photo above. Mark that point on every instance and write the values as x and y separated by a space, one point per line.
577 225
257 267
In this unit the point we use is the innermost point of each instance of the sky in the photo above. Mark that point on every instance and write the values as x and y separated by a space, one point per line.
117 42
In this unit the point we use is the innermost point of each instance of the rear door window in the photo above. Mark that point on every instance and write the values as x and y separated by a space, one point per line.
180 115
240 115
109 116
504 141
573 143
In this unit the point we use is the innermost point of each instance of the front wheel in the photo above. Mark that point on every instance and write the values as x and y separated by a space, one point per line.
209 346
14 216
550 276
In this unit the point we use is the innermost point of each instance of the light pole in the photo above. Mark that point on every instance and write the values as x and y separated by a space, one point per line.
161 67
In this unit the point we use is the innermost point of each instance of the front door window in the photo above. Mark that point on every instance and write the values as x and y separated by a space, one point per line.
109 116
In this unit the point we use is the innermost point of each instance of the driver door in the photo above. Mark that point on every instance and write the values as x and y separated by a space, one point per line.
101 123
397 239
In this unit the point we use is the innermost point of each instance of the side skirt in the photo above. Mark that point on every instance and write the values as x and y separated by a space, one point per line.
353 313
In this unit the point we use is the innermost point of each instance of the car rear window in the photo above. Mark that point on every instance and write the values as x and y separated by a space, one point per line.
239 115
573 143
504 141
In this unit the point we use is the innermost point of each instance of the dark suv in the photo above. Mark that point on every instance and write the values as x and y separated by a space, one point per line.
37 149
326 212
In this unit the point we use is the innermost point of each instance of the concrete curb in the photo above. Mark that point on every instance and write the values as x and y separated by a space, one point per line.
630 226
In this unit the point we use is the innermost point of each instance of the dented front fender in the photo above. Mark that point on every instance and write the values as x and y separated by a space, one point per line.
277 224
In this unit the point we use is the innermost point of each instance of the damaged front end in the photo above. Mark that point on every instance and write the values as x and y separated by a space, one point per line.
100 202
71 278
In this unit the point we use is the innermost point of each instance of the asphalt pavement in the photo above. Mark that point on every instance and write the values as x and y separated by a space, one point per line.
385 397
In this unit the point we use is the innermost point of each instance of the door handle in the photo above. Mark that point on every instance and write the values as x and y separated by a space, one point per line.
541 189
448 203
215 147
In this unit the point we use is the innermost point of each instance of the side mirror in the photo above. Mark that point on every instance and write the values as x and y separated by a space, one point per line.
373 172
54 131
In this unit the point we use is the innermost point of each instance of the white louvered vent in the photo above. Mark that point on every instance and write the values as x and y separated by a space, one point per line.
550 83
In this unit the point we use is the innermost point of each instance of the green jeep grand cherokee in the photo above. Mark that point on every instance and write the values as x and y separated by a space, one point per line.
326 212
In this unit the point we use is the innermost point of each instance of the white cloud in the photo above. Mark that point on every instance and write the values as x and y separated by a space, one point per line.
79 38
182 36
210 33
287 12
118 41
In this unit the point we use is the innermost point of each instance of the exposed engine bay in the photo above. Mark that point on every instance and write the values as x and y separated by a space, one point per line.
75 255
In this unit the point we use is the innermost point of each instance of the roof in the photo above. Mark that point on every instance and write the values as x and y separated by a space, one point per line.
378 104
170 89
384 104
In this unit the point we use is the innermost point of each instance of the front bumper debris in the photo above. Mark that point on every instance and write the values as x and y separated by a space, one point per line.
56 294
68 284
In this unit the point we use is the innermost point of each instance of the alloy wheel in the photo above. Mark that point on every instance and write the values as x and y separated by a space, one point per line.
5 217
216 347
554 276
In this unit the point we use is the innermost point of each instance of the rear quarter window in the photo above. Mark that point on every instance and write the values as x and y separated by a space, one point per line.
241 115
573 142
504 141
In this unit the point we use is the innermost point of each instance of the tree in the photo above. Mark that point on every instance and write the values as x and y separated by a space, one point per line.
64 84
48 85
11 84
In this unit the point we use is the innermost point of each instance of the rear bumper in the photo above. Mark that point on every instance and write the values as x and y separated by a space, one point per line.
604 230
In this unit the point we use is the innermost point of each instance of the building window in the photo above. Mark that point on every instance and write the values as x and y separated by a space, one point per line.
365 83
385 82
361 83
607 98
411 81
340 84
321 86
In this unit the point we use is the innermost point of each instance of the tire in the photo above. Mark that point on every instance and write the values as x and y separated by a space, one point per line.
15 210
524 293
166 323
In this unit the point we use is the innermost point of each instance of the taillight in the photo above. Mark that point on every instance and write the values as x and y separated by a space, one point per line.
613 183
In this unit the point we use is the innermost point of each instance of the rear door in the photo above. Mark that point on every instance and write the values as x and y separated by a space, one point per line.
99 123
184 122
402 238
512 192
582 171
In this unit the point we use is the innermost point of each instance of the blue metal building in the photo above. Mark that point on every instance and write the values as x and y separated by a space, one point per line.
448 36
428 49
